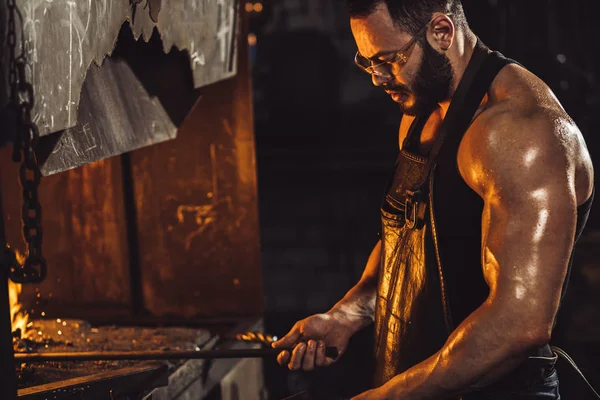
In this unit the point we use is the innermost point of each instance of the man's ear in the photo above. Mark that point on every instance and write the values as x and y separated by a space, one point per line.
442 32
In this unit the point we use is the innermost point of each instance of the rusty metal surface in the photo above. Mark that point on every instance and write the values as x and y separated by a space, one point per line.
63 37
197 220
197 209
116 115
84 236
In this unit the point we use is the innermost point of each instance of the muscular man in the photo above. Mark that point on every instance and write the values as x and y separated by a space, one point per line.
491 190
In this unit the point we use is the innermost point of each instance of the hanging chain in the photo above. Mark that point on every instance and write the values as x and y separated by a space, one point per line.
33 269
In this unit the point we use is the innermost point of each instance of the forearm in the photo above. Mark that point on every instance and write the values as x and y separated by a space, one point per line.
358 305
357 308
482 349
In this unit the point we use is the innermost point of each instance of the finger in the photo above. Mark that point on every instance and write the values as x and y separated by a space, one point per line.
288 340
320 356
329 360
283 358
308 364
297 355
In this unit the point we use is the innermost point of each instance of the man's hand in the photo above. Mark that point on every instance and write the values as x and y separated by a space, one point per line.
309 337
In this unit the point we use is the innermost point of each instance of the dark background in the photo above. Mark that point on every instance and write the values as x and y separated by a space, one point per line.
326 140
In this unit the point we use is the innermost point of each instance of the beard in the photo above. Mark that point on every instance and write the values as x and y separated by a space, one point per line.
432 83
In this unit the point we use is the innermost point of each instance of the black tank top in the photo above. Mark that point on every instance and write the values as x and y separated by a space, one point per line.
457 211
458 205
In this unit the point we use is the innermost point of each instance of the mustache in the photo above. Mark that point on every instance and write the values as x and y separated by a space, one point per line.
397 88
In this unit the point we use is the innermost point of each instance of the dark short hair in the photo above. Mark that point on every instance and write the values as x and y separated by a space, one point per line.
409 15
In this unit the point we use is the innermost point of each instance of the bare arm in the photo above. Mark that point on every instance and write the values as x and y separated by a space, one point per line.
358 305
334 328
523 170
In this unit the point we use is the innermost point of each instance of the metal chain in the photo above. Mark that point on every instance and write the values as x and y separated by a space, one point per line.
33 269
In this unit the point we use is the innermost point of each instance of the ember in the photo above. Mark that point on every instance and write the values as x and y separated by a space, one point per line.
60 335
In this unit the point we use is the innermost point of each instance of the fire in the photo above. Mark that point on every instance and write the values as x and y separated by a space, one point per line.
18 317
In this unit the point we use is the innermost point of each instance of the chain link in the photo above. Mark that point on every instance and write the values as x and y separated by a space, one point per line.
33 269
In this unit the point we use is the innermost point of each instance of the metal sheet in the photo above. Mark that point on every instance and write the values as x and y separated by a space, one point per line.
85 240
206 28
63 37
116 115
196 203
197 221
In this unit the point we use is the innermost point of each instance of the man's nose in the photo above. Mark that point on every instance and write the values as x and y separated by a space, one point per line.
379 80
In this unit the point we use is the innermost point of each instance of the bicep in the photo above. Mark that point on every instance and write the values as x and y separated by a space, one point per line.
527 243
528 230
523 171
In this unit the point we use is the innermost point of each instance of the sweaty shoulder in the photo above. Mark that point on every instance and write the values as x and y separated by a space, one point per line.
524 137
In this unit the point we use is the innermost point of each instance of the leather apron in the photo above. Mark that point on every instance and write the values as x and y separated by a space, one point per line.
413 317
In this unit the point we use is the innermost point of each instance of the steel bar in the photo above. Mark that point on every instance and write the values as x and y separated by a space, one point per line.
156 355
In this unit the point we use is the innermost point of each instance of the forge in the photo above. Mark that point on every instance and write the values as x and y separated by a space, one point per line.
144 377
137 117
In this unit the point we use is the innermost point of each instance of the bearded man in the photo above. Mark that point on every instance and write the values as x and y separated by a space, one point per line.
491 190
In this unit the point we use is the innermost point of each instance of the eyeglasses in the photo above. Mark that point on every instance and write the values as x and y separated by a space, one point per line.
400 57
